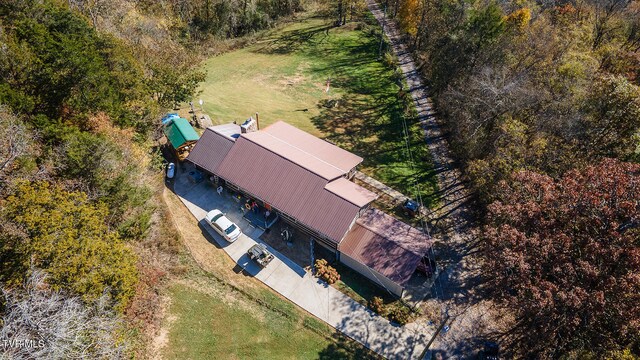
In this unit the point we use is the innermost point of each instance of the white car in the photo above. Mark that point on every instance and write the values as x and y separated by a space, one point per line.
222 225
171 170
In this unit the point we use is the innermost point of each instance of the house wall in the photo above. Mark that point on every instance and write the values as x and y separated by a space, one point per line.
372 275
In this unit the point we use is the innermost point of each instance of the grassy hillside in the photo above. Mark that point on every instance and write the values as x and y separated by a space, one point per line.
284 76
227 329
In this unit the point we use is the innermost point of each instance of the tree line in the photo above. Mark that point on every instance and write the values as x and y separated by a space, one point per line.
83 84
541 101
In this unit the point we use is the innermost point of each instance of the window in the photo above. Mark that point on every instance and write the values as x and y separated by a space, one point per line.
230 229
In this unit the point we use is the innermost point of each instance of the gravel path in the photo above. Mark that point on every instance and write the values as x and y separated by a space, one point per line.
458 289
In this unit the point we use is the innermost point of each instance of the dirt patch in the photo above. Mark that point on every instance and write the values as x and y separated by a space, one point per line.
262 79
161 338
295 79
291 80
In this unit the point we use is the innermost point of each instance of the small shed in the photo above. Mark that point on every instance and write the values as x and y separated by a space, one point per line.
181 136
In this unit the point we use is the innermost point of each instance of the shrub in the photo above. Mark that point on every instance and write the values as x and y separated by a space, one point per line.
400 314
389 60
377 305
326 272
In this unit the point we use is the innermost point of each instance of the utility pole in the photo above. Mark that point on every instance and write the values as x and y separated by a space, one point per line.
446 318
384 22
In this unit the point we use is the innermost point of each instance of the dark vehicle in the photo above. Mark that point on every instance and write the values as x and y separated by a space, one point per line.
410 208
260 254
491 351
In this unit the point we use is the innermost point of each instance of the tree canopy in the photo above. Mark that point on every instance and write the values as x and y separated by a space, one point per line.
567 74
540 100
66 235
564 255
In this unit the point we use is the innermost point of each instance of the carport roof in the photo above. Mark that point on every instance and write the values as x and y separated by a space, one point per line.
386 245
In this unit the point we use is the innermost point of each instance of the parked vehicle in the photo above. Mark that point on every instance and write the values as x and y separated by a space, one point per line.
171 170
222 225
410 208
260 254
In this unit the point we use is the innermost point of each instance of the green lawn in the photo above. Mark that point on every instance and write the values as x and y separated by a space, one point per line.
205 327
283 76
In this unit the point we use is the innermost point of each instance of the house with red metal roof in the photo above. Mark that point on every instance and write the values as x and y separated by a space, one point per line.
306 180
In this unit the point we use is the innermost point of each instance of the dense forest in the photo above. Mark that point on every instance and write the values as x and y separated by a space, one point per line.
541 101
83 84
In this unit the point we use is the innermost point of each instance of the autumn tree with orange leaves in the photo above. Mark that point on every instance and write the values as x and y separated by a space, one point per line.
564 255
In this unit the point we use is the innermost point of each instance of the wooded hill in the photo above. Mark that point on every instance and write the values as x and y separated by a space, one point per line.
542 105
83 85
540 99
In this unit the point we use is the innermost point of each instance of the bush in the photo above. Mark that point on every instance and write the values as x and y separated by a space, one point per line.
400 314
389 60
326 272
377 305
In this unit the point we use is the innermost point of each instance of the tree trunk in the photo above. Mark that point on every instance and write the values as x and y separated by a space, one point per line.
421 26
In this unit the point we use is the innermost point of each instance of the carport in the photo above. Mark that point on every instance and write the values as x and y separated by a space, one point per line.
384 249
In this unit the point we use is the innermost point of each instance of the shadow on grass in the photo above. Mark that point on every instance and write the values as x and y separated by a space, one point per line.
344 348
294 40
371 123
366 110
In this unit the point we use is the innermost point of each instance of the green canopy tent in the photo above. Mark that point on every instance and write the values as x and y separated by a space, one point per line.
181 136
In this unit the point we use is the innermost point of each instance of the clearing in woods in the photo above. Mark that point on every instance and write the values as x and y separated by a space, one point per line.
285 74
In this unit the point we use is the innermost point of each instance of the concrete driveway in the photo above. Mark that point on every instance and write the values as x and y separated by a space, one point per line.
300 287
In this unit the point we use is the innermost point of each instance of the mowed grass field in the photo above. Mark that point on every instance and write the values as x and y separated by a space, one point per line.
284 76
205 326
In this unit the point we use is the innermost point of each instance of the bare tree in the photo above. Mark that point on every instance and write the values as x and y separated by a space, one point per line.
15 140
92 8
487 95
605 10
40 323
